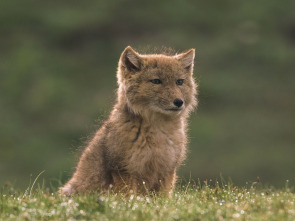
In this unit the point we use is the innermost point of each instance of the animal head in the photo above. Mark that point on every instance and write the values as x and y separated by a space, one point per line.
157 83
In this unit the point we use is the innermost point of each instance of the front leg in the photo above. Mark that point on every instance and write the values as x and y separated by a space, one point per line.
125 183
167 185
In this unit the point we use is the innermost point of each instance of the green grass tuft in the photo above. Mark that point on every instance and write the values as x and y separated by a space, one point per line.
193 202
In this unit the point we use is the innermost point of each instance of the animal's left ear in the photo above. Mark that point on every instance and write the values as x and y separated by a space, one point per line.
187 59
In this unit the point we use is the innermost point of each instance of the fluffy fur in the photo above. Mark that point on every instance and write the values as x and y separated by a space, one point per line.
143 142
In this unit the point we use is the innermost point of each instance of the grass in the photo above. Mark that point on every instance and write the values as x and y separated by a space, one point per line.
190 202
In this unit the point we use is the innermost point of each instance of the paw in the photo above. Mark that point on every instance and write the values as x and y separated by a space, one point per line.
66 190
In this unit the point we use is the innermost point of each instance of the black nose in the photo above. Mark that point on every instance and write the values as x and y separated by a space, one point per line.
178 102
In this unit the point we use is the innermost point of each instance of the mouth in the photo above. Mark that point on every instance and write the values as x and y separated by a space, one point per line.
174 109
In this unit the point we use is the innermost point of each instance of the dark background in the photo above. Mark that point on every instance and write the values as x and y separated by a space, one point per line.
58 62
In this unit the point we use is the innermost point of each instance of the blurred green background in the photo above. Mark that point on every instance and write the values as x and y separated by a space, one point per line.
58 61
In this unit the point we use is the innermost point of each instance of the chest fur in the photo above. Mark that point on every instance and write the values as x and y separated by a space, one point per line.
159 149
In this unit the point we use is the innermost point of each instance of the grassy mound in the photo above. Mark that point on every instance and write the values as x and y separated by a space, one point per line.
190 202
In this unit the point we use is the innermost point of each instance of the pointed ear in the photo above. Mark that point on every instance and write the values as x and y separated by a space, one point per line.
187 59
130 59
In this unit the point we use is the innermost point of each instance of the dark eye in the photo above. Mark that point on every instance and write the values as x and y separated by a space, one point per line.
179 82
156 81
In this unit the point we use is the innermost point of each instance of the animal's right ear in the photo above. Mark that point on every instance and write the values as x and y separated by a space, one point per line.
131 60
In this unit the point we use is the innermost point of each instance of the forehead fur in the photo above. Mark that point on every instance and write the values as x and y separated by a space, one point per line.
162 66
156 61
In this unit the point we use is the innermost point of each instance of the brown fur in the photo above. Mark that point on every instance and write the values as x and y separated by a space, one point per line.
141 145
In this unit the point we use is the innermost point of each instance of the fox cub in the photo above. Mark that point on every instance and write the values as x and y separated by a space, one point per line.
143 142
